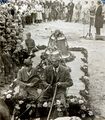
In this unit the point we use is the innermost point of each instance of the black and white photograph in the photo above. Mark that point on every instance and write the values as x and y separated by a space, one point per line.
52 59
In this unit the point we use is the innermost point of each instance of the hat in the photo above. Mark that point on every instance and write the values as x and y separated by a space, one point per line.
55 58
28 62
57 31
28 34
99 2
44 55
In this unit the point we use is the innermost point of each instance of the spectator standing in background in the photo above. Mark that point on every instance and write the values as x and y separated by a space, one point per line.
92 12
33 12
47 12
70 8
98 18
62 7
85 13
39 10
55 10
49 4
78 8
28 15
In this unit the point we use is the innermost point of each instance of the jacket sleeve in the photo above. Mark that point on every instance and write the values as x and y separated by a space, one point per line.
67 80
19 79
45 78
26 43
19 75
34 44
99 11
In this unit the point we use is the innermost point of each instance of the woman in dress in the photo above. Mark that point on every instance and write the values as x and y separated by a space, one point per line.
39 10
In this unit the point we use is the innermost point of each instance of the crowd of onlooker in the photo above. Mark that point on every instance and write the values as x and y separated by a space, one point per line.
39 11
48 10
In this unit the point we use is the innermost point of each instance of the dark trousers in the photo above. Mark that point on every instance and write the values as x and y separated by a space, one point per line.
28 19
33 17
97 30
69 16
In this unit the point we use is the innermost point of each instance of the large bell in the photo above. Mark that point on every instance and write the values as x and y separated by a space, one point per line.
58 46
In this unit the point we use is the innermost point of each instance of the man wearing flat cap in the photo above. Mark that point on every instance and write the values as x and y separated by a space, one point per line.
57 74
28 80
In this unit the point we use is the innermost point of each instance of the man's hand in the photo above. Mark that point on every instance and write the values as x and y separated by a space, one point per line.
50 87
30 85
39 91
59 83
